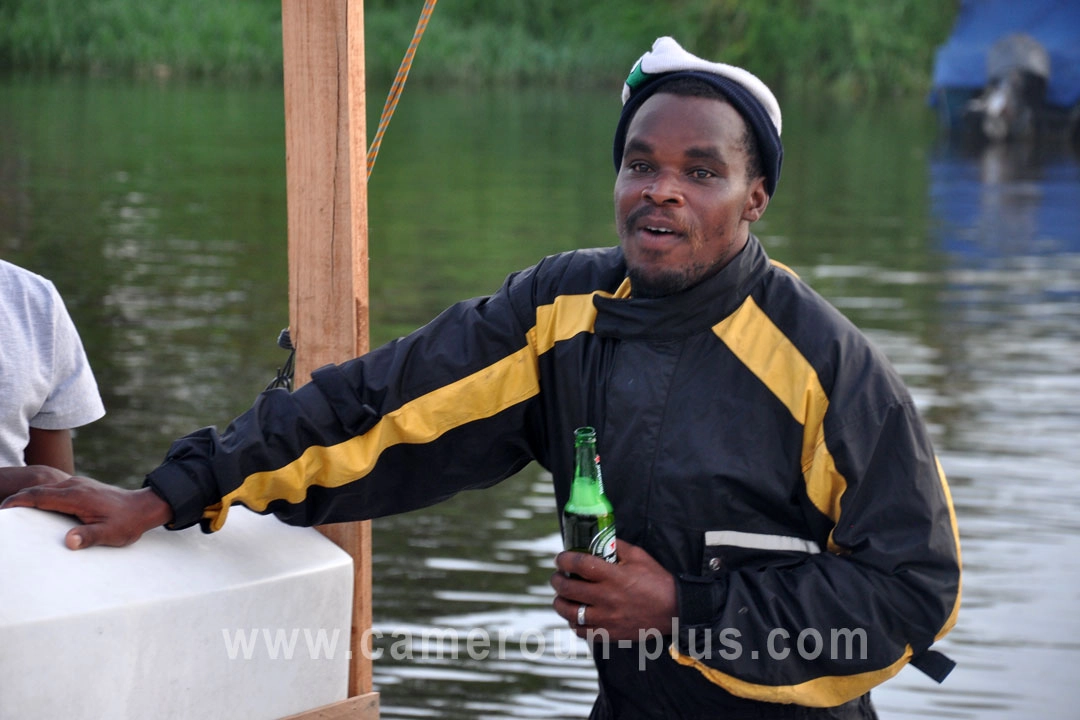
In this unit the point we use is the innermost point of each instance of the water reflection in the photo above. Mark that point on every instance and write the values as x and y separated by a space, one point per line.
160 214
1008 226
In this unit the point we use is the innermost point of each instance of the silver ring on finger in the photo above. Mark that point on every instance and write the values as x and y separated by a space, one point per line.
581 614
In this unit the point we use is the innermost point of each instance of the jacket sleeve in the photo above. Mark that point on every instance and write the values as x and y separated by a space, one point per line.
404 426
826 627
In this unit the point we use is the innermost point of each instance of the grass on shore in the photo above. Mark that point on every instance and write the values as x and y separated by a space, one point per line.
847 48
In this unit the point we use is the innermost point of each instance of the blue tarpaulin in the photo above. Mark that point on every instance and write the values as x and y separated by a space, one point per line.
960 63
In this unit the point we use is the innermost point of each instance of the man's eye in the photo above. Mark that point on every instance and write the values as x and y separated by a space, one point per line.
702 174
638 167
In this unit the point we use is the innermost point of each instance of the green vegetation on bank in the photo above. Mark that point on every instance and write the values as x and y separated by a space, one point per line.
849 47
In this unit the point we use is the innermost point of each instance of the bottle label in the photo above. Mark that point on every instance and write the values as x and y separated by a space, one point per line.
583 533
603 544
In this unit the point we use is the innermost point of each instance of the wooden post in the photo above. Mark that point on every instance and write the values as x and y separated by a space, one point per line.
326 168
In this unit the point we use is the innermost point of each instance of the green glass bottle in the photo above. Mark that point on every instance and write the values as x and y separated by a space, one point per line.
588 519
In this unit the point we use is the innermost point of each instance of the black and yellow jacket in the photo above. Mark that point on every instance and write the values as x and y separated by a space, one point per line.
753 442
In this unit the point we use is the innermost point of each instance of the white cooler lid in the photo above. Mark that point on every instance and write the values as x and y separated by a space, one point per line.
250 622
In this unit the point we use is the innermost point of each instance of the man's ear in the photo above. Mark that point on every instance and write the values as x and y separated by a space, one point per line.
756 201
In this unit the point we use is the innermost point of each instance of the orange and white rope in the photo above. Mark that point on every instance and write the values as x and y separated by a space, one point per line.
399 84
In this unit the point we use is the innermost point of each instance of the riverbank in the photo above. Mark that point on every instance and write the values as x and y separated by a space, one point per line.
840 47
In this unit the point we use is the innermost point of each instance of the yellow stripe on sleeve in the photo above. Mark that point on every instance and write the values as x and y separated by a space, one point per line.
481 395
485 393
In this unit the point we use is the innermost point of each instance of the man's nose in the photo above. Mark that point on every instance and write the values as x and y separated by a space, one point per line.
663 190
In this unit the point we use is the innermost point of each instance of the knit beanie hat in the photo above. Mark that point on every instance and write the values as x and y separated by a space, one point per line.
750 97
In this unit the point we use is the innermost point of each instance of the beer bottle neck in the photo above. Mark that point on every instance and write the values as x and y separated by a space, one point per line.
586 492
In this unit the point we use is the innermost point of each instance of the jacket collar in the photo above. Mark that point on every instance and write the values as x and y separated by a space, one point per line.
687 312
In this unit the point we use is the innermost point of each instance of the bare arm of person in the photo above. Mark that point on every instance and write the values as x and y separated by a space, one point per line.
51 447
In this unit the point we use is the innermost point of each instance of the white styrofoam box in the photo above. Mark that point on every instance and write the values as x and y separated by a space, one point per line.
250 622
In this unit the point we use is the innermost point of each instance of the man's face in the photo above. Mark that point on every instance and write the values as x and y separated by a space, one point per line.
683 204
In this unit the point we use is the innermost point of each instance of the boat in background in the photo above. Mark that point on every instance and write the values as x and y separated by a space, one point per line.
1010 71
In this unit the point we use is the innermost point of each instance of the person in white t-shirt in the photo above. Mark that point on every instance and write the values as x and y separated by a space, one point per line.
46 384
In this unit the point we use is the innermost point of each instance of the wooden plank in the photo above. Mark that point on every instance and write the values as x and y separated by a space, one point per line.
361 707
325 159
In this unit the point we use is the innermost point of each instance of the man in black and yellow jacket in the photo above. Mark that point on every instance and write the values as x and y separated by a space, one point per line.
784 527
